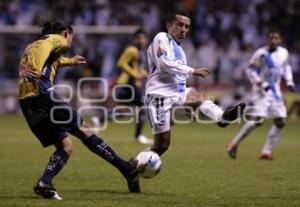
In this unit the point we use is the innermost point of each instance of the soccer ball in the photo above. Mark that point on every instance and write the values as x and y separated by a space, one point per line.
153 165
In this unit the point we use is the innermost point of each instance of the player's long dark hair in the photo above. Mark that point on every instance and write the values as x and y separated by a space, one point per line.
55 27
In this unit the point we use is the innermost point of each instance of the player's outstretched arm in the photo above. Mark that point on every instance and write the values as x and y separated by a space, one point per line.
160 48
170 66
76 60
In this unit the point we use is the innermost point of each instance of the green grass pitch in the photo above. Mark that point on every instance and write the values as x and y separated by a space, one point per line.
196 169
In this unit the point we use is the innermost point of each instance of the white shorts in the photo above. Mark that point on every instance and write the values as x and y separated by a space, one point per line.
159 110
267 107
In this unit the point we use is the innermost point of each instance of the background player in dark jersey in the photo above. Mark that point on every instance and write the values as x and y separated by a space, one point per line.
131 64
38 67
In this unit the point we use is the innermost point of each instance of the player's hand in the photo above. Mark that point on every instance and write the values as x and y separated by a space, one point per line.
77 59
263 87
138 83
29 73
144 73
202 72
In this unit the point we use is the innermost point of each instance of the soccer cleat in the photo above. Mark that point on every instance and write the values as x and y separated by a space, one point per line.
46 191
231 114
232 150
133 184
266 156
143 140
133 180
132 177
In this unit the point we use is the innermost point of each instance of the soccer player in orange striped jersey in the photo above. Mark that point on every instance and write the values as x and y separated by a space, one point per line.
38 68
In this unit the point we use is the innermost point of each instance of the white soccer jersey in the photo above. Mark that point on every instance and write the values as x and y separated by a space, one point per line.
168 68
270 68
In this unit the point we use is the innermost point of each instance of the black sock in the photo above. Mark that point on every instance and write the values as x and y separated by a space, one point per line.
57 161
140 123
101 148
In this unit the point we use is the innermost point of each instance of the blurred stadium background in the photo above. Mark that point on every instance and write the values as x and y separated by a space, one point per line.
196 170
223 36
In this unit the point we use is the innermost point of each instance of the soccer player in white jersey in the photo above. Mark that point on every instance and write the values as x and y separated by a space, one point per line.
166 83
267 66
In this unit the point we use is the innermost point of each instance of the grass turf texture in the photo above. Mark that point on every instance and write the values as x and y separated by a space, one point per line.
196 169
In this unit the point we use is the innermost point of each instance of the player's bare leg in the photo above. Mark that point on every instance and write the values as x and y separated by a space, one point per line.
161 142
58 159
273 138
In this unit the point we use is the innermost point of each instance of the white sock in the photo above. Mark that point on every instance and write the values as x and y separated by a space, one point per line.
244 132
273 138
96 121
211 110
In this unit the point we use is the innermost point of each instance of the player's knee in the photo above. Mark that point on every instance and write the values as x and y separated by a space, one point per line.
68 148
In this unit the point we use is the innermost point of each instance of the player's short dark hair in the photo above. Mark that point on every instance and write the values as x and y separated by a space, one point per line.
55 27
274 30
172 16
138 32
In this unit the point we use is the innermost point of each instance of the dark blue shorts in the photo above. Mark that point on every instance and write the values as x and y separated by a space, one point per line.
50 127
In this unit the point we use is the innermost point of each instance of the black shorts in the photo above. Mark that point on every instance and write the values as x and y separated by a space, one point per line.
48 119
134 96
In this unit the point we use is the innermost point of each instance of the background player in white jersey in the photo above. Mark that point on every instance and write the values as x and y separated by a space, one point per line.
267 67
166 84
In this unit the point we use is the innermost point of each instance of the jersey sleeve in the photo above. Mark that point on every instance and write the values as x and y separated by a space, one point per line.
162 51
126 57
64 61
